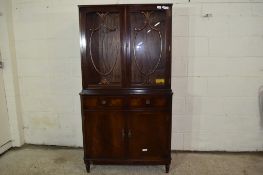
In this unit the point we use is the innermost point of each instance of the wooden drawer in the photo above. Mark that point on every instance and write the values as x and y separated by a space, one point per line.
149 101
92 102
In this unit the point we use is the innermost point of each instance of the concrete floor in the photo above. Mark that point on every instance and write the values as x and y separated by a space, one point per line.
46 160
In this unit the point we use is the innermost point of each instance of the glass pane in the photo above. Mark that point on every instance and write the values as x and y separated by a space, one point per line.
103 48
147 54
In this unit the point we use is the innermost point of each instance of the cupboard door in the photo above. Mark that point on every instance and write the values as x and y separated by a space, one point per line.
104 134
148 134
101 52
149 28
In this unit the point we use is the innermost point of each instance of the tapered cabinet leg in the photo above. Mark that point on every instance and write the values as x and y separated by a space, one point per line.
167 168
88 167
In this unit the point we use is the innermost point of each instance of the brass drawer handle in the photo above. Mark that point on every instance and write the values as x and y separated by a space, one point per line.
148 102
103 102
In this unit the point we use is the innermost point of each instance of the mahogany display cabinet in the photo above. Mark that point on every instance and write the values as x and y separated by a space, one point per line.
126 100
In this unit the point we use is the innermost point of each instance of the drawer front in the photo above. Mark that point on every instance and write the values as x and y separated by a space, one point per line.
145 101
92 102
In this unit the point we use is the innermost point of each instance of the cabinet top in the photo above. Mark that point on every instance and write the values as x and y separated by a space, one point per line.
125 91
119 5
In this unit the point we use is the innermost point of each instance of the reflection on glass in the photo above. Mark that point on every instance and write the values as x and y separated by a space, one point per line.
157 24
139 45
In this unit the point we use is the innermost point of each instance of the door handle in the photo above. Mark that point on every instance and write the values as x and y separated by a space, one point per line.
123 133
103 102
148 102
129 133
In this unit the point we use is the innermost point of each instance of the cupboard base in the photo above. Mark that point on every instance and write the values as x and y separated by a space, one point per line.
88 163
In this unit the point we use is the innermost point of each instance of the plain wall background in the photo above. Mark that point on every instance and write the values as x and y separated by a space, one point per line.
216 72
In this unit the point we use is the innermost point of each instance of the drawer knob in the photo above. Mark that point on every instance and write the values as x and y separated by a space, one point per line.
148 101
103 102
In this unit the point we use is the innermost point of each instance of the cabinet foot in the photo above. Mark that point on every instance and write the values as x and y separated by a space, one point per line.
88 167
167 168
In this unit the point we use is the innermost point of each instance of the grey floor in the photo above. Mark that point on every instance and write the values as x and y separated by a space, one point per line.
45 160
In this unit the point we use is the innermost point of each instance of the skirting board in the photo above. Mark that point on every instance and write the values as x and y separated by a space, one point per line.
5 147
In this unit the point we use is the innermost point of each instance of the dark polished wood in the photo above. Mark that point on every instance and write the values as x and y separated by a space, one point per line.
147 135
126 101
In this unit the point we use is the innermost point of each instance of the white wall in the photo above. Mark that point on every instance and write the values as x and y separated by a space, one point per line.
217 71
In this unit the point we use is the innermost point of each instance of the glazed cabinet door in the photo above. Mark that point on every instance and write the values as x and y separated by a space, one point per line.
150 46
104 134
101 51
148 134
